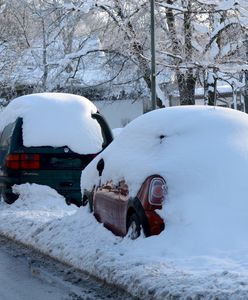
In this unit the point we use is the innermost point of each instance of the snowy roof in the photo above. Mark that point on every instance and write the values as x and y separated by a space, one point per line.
204 160
221 89
56 119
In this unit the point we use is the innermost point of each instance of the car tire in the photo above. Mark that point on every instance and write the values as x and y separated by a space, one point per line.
9 198
88 199
133 227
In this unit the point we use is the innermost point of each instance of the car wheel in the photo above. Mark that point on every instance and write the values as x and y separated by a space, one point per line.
133 227
88 199
9 198
85 200
74 201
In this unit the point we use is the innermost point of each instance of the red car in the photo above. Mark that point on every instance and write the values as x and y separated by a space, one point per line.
123 215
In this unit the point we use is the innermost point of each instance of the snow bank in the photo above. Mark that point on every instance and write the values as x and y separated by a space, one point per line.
145 267
56 119
37 205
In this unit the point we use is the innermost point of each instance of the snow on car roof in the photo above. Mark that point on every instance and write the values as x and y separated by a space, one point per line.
202 152
56 119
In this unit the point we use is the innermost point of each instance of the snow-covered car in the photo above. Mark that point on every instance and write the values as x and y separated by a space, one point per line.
164 153
48 139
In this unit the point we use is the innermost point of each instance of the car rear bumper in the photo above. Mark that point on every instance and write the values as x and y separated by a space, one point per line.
156 223
70 189
8 182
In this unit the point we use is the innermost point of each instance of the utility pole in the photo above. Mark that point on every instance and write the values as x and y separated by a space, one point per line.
153 57
246 75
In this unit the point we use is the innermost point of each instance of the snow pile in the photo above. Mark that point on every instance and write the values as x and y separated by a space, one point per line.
56 119
203 252
144 267
32 210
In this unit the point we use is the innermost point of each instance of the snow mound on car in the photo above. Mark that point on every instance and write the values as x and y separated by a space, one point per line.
202 153
56 119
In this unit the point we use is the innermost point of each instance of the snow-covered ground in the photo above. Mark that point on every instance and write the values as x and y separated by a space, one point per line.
145 267
203 251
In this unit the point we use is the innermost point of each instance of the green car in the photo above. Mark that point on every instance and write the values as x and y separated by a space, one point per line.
58 167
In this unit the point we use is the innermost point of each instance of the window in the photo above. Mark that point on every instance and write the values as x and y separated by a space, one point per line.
6 135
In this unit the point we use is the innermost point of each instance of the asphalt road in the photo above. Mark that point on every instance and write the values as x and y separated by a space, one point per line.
26 274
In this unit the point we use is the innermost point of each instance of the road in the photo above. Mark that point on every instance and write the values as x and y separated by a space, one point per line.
26 274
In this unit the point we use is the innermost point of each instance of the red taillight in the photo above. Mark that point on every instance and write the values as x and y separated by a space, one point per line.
157 191
12 161
23 161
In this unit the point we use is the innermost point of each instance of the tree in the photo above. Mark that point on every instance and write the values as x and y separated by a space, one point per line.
182 50
52 44
45 42
202 42
128 24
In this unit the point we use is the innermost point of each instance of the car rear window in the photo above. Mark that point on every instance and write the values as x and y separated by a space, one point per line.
6 135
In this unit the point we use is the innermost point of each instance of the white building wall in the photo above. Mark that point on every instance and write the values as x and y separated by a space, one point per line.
118 113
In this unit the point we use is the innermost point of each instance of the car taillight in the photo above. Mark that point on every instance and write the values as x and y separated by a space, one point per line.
157 191
12 161
23 161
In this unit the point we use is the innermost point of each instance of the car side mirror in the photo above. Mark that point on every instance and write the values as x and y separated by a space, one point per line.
100 166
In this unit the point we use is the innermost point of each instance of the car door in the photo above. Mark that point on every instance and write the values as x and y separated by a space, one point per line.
110 207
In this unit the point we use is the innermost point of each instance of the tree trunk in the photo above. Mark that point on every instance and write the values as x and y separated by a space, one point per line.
143 63
210 85
44 57
246 91
246 75
186 80
186 85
